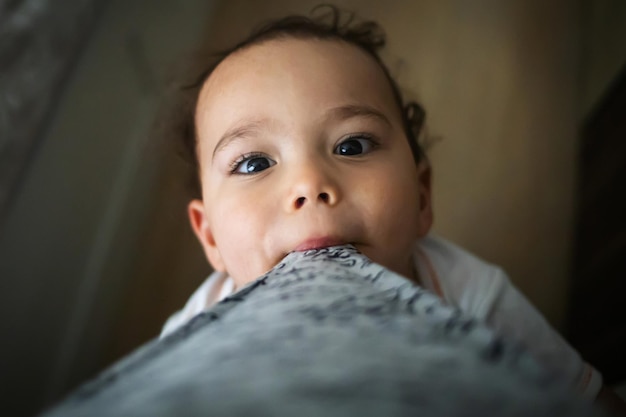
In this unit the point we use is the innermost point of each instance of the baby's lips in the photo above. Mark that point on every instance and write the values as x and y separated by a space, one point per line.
319 243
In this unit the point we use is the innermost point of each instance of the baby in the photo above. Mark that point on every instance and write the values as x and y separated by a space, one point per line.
301 140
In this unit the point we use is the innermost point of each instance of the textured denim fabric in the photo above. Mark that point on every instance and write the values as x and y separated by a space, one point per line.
328 333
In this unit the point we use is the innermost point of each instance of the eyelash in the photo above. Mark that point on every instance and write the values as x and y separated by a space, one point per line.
243 158
372 142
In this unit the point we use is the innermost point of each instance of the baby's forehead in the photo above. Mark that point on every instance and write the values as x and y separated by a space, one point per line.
294 82
340 64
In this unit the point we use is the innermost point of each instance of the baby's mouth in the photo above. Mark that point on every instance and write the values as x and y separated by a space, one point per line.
319 243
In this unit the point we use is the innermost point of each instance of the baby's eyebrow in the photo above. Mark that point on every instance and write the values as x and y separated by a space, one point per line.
248 127
239 131
355 110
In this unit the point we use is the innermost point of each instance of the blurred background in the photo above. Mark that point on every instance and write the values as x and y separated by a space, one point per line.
528 99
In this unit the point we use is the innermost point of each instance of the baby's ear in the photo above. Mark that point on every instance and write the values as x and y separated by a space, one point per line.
424 174
202 229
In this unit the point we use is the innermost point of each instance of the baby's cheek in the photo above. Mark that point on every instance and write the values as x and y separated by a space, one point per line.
233 226
238 237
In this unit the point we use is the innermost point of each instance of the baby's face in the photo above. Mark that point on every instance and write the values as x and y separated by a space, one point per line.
301 146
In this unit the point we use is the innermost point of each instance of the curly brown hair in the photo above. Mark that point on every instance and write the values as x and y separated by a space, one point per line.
327 22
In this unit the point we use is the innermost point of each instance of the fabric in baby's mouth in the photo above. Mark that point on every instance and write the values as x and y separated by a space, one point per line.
327 332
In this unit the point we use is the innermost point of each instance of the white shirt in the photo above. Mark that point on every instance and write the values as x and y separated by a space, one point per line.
478 288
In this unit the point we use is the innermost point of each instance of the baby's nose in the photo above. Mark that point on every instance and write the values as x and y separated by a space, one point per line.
322 197
312 187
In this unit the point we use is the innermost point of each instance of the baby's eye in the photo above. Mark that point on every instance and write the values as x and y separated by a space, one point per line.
355 145
251 164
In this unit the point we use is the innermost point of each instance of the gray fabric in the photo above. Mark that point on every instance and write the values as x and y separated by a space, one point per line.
327 333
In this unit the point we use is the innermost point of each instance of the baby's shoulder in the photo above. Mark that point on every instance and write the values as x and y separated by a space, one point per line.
466 280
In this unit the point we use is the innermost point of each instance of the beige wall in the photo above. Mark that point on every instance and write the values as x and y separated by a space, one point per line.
498 80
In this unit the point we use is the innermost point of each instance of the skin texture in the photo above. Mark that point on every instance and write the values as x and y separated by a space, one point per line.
332 161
